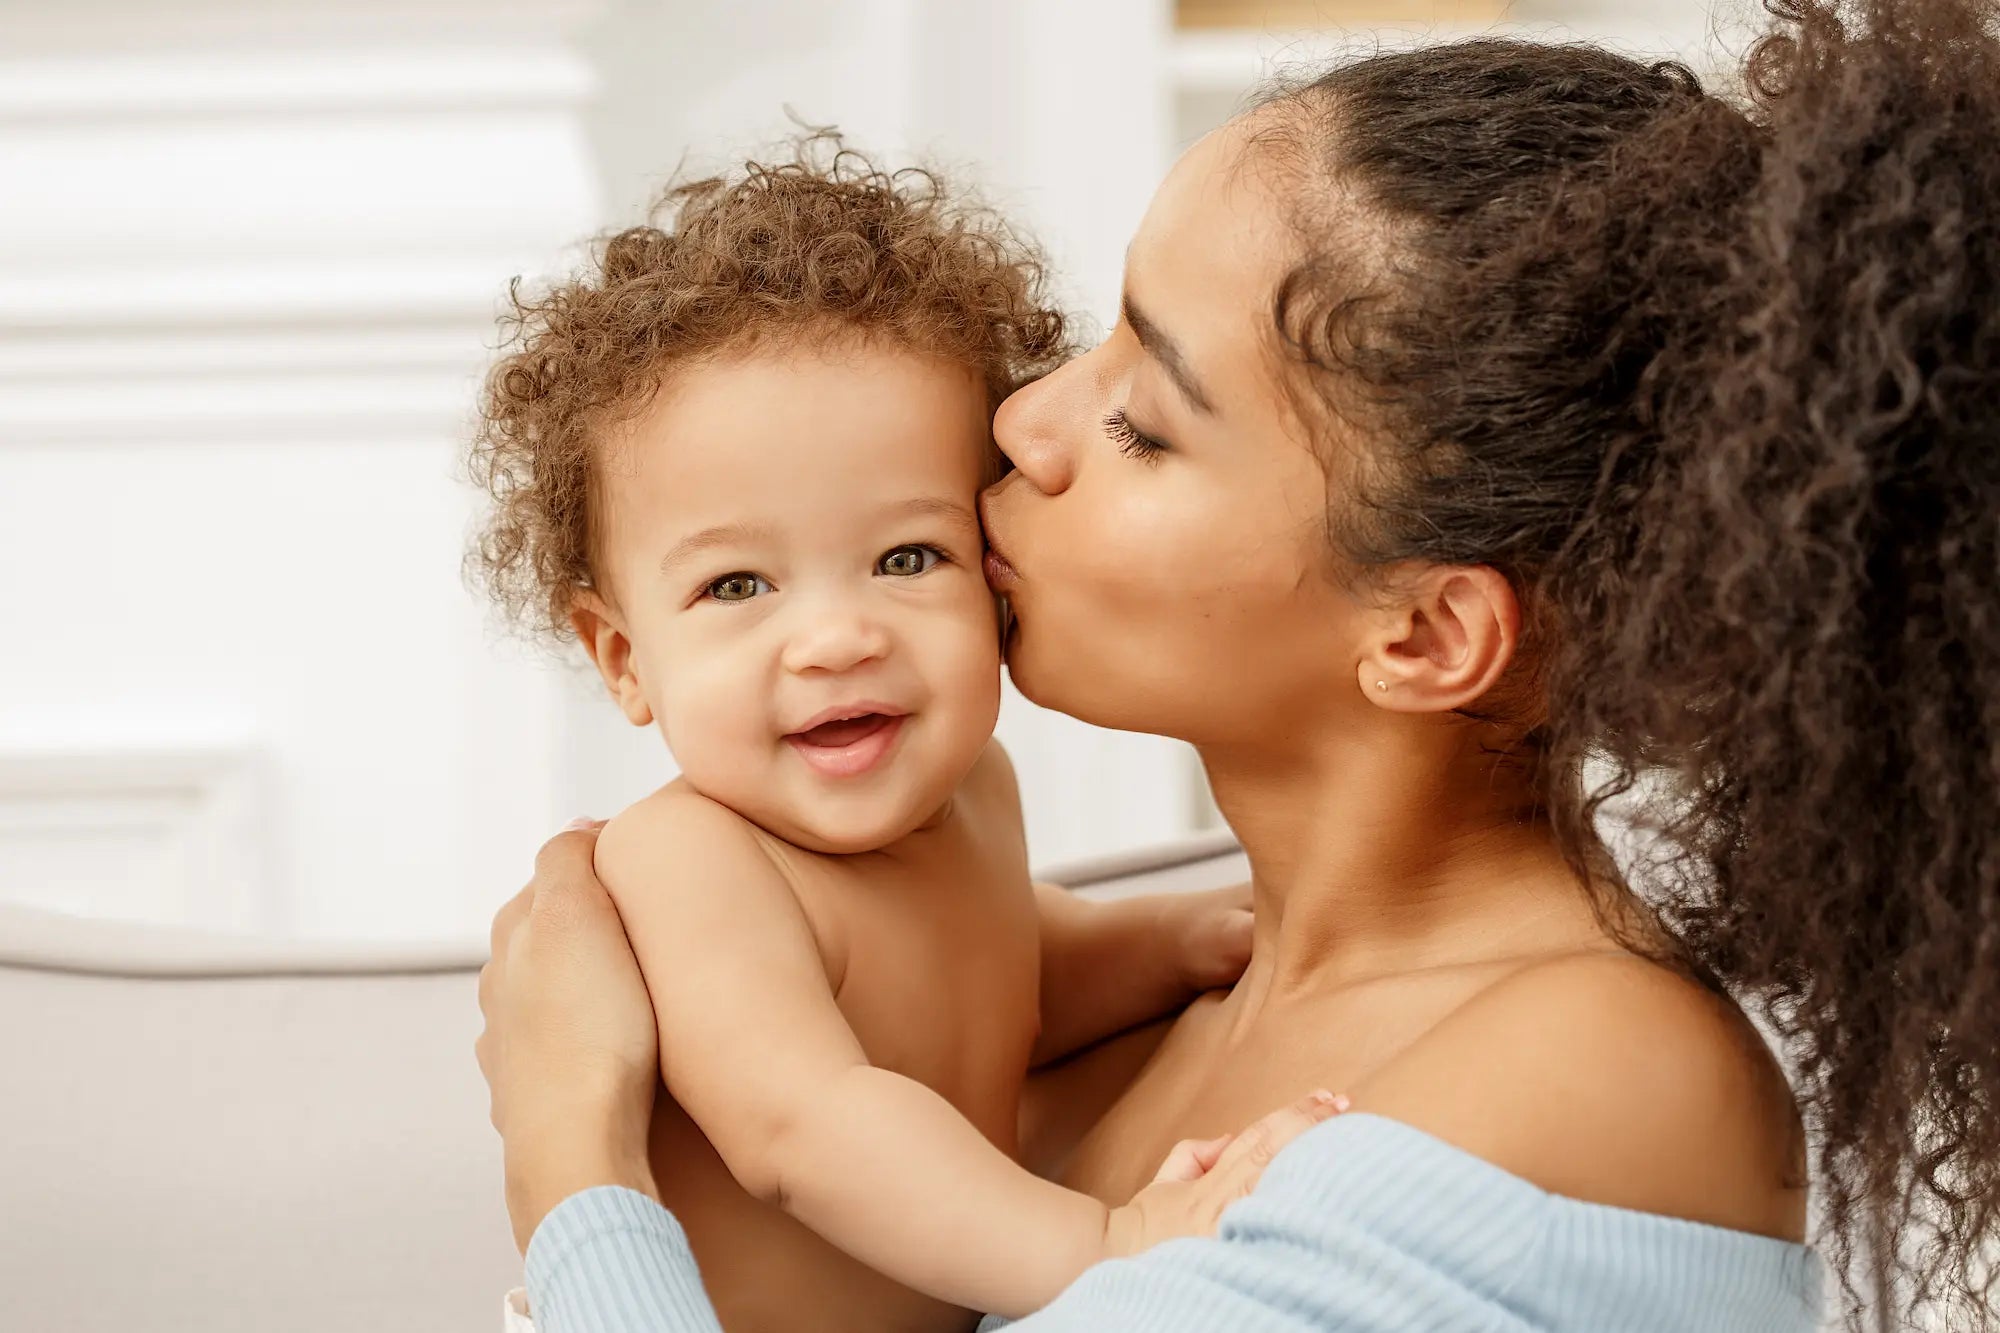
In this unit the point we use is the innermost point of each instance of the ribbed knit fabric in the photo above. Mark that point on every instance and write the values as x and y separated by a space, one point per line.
1362 1224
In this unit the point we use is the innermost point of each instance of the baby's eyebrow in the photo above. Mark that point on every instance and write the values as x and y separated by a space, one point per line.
724 534
928 506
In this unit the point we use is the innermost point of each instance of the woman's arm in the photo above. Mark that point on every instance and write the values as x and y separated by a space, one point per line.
612 1260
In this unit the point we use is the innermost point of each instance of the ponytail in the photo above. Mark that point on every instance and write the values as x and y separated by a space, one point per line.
1717 385
1813 572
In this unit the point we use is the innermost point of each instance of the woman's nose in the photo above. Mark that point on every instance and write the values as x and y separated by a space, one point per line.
1032 429
835 640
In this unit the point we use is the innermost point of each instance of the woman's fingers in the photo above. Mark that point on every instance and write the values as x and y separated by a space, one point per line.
569 1039
568 895
511 914
566 858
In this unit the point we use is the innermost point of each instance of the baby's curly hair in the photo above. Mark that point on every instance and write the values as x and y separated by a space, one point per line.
823 246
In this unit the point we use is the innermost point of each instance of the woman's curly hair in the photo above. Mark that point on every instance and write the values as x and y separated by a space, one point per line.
819 247
1717 384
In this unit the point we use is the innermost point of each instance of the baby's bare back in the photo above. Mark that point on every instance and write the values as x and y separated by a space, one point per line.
934 945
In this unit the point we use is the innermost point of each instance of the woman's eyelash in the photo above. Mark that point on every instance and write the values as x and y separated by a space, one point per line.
1132 442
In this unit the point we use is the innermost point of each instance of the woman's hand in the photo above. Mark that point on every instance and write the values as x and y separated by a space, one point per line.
1201 1177
569 1051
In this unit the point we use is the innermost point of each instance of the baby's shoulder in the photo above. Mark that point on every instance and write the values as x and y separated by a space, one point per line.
677 835
991 788
676 807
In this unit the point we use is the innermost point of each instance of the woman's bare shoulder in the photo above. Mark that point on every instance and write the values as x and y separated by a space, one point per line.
1608 1078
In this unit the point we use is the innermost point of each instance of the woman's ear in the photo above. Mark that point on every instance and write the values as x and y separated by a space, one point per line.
603 636
1448 641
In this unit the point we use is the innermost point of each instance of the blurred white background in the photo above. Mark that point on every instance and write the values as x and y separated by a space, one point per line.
250 255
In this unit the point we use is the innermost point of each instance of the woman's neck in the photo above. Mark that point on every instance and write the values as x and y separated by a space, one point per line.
1412 847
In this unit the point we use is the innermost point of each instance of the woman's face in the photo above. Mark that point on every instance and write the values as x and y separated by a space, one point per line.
1163 537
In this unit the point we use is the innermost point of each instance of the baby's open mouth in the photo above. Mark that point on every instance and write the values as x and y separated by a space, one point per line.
846 747
845 731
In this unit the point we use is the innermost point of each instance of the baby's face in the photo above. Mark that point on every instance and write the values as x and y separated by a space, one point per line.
794 552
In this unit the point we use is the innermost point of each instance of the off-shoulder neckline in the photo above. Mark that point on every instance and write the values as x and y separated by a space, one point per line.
1353 1122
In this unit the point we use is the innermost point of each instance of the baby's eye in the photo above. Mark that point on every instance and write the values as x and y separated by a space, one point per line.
738 587
906 561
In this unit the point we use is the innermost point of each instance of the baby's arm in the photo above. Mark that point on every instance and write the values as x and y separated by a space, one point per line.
754 1048
1111 965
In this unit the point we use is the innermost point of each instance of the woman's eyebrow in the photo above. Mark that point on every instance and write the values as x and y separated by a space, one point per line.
1165 351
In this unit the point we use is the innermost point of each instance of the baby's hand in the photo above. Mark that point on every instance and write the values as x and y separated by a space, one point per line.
1111 964
1201 1177
1207 935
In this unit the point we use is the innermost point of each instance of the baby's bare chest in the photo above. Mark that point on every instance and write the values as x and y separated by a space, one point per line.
938 971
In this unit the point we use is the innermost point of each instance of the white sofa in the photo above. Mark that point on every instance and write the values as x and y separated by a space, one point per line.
228 1135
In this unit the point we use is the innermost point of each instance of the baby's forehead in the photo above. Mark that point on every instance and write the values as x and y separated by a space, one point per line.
807 451
822 412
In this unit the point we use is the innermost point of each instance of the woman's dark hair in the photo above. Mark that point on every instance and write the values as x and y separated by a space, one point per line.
1717 385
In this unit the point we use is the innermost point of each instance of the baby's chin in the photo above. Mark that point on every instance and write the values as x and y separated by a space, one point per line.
832 822
846 827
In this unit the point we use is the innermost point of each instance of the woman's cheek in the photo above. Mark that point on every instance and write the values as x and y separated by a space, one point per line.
1155 551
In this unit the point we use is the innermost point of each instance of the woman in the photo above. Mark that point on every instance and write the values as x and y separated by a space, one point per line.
1474 411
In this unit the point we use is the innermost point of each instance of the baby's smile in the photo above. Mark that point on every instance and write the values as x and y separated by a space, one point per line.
817 645
850 741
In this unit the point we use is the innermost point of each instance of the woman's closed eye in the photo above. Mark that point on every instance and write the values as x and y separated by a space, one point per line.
1132 442
738 587
906 562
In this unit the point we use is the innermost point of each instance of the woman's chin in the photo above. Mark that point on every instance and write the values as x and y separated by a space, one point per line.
1049 685
1020 666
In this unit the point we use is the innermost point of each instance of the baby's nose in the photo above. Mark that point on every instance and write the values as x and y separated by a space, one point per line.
835 642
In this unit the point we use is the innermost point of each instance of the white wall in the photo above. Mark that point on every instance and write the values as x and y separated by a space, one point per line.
250 252
248 260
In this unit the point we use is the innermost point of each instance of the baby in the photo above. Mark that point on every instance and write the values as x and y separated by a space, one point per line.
740 459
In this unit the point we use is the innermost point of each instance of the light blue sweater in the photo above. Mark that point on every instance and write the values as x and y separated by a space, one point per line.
1362 1224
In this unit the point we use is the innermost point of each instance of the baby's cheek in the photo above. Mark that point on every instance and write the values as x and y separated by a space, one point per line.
719 736
968 673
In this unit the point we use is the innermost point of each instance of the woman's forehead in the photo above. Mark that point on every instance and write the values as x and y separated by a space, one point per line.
1212 247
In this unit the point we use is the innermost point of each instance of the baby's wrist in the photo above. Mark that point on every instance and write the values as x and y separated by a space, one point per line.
1124 1232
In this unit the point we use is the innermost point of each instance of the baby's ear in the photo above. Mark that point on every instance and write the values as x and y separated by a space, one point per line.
602 635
